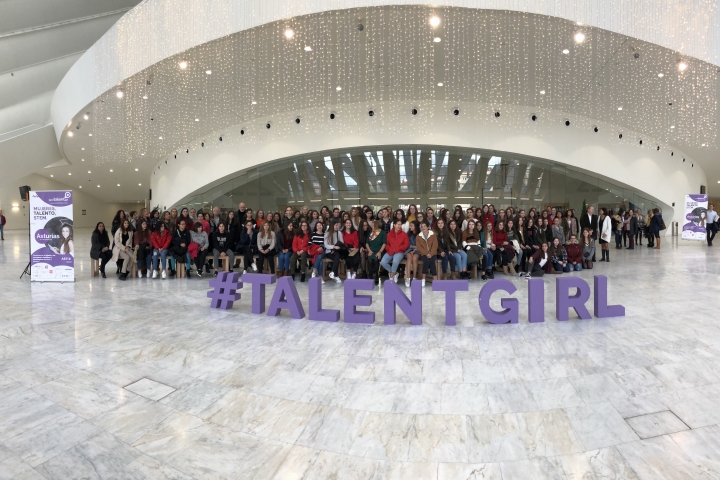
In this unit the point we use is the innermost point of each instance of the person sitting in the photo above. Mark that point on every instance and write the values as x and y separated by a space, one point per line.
588 246
426 243
539 263
375 245
180 243
558 256
284 245
100 247
448 266
397 242
161 240
266 245
200 238
574 254
247 246
143 244
221 242
352 243
316 249
335 249
122 250
300 245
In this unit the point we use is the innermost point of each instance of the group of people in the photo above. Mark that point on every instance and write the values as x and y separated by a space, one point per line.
413 243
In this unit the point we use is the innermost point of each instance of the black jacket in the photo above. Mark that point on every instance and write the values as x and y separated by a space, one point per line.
178 238
247 240
98 242
222 242
590 224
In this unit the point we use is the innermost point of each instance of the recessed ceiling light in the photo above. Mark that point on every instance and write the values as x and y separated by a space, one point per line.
98 186
672 126
110 170
139 184
566 51
254 102
86 116
82 159
183 65
338 88
89 171
71 173
308 48
142 154
197 119
80 186
440 84
437 39
579 37
208 72
119 94
159 138
89 135
661 75
289 33
542 92
702 145
136 169
144 97
83 148
107 118
434 21
118 184
682 66
70 134
619 108
51 176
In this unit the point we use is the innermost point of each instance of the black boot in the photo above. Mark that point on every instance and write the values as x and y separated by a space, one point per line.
607 256
603 256
302 277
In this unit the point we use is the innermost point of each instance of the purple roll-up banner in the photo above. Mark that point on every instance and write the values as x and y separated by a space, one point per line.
52 243
536 300
602 309
286 297
411 308
354 300
564 301
510 306
315 301
258 282
450 287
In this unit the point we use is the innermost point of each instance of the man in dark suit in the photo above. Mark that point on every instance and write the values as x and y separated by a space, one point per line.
590 221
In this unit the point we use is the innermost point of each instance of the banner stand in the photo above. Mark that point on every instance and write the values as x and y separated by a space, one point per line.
695 211
52 247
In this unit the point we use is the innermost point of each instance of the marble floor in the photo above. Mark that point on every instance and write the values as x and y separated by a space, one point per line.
141 379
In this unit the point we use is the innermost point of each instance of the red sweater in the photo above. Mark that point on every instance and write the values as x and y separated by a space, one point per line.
396 242
574 252
300 242
499 237
161 243
351 239
487 218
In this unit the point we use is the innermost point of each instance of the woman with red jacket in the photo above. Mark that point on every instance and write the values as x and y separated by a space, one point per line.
487 216
300 246
352 243
396 243
160 240
505 248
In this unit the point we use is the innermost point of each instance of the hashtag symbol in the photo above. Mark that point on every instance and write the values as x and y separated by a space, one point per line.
224 287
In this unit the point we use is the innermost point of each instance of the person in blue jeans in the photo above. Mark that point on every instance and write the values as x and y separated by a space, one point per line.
396 243
284 247
3 220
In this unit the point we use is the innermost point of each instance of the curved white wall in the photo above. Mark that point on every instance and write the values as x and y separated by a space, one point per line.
656 173
157 29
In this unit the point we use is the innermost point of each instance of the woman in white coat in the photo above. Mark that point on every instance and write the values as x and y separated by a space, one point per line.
605 233
123 248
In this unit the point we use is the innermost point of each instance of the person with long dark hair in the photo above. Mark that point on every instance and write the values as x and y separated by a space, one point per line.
352 243
284 246
100 247
266 245
375 246
300 244
604 232
222 246
455 246
161 240
122 250
143 244
200 238
180 243
448 267
247 246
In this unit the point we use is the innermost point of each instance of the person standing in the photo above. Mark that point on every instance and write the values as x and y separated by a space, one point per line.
710 223
605 232
656 226
632 229
3 221
641 227
590 221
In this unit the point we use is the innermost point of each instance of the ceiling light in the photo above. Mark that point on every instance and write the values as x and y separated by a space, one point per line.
51 176
139 184
119 94
197 119
208 72
702 145
144 97
579 37
142 154
619 108
437 39
118 184
672 126
254 102
136 169
82 159
542 92
338 88
69 173
110 170
159 138
289 33
80 186
86 117
440 84
107 118
566 51
83 148
89 135
661 75
70 134
89 171
183 65
682 66
434 21
308 48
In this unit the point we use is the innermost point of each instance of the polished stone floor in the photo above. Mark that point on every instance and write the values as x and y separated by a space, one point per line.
141 379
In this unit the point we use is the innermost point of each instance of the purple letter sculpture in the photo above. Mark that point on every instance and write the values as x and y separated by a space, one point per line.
564 302
315 300
395 296
602 309
258 282
536 300
353 300
450 287
224 287
286 296
509 314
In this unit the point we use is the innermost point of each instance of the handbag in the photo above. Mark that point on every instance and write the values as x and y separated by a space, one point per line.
662 225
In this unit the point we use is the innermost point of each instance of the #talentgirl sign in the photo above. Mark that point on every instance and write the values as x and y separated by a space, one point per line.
285 297
52 248
695 215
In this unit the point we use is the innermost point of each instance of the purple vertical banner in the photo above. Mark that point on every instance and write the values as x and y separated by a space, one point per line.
286 297
315 301
450 287
510 306
354 300
412 309
536 300
602 309
258 282
564 301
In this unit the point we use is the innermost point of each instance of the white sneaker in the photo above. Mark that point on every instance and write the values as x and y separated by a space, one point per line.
254 267
163 274
313 275
407 283
139 274
332 275
154 274
423 282
337 280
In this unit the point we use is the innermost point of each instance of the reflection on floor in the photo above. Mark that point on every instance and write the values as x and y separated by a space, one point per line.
141 379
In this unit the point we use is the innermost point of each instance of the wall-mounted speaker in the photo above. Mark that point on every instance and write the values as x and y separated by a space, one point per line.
25 193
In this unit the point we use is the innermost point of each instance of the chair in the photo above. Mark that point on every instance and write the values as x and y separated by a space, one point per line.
181 270
94 267
133 269
225 264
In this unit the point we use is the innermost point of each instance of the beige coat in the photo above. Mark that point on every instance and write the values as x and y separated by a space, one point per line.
118 241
